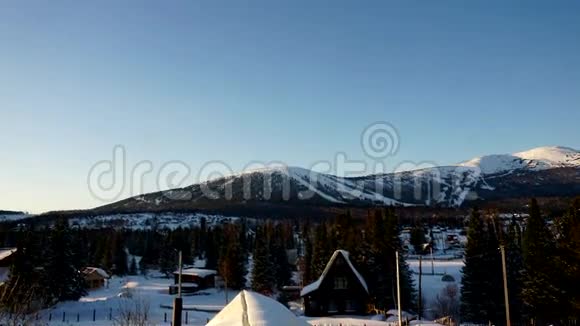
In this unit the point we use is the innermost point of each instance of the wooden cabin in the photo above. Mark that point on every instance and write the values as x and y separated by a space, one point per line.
193 279
95 277
340 290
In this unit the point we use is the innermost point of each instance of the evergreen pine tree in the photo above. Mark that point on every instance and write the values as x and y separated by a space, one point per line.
406 277
473 279
345 233
119 255
282 270
168 258
321 252
380 265
493 295
540 295
306 267
515 267
418 239
61 275
263 269
212 244
232 260
569 260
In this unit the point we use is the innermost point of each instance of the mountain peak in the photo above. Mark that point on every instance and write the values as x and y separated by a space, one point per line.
539 158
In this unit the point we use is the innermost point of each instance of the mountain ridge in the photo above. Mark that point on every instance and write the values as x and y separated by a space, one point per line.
545 171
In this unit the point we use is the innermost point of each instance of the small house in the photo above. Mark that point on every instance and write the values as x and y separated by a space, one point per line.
95 277
193 279
340 290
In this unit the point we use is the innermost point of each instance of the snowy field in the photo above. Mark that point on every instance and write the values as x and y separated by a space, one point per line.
106 303
432 285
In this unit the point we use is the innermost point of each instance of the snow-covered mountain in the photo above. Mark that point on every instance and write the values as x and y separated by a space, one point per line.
543 171
540 158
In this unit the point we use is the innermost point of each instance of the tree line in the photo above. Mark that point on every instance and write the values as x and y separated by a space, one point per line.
543 268
543 259
372 244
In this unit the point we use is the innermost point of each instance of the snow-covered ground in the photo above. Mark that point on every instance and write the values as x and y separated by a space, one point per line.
107 302
432 285
153 291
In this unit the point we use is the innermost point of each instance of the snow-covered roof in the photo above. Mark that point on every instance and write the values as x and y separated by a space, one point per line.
253 309
201 272
316 284
90 270
6 252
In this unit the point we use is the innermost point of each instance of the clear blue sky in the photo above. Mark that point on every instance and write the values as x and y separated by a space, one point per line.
294 81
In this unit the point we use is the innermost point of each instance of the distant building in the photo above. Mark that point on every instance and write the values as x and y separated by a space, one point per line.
193 279
340 290
95 277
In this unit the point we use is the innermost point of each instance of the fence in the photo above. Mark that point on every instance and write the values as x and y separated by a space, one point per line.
106 317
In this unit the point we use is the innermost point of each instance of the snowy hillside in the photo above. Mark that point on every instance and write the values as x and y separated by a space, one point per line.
543 171
10 216
540 158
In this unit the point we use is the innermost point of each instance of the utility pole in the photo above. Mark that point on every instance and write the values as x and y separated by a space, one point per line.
227 268
178 301
180 272
398 289
226 289
420 277
432 261
505 286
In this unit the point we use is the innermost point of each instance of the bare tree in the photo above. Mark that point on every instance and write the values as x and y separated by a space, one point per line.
17 309
446 303
133 312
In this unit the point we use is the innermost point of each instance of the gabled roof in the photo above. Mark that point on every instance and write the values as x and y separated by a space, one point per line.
6 252
253 309
99 271
316 284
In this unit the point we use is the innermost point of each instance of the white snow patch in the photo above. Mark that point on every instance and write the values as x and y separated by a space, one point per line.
250 308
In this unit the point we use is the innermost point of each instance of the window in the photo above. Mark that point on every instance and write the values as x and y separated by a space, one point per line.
350 306
332 307
340 283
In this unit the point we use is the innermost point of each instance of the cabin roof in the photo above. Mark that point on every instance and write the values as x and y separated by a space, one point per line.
6 252
99 271
201 272
316 284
